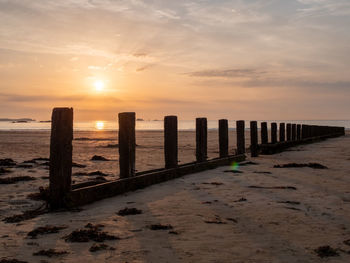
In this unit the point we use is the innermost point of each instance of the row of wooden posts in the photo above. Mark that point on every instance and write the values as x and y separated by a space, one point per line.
62 136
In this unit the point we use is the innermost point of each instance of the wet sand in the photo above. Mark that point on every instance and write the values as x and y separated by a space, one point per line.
214 216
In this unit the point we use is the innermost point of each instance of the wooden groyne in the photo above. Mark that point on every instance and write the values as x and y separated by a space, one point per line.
64 194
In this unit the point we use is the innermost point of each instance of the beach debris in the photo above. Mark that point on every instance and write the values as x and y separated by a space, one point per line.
326 251
98 158
289 202
347 242
48 229
216 220
173 232
42 195
213 183
77 165
273 187
261 172
50 253
12 180
292 208
24 165
160 227
4 170
233 171
232 219
301 165
89 233
7 162
242 199
12 260
129 211
96 247
30 214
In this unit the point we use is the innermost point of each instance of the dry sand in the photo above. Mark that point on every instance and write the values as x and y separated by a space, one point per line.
215 216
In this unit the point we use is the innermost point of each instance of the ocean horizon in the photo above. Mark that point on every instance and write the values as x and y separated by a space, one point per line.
154 125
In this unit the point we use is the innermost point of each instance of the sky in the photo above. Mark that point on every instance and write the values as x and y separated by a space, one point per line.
243 59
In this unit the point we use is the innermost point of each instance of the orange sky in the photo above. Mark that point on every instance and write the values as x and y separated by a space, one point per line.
220 59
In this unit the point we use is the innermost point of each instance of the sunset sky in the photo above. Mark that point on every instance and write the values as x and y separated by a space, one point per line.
247 59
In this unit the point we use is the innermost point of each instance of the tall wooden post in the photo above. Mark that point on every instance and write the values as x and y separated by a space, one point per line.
294 132
223 138
299 132
170 142
253 139
282 132
60 155
289 131
240 137
201 139
274 132
264 133
127 143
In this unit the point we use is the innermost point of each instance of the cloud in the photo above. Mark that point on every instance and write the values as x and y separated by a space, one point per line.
227 73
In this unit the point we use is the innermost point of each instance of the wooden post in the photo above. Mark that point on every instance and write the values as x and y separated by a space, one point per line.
240 137
274 132
127 143
170 142
201 139
253 139
282 132
294 132
264 133
60 155
289 131
299 132
223 138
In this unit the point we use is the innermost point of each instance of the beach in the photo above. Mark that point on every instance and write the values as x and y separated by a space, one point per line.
258 214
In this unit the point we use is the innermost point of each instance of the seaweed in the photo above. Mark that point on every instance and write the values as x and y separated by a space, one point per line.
129 211
50 253
48 229
90 232
301 165
326 251
98 158
160 227
12 180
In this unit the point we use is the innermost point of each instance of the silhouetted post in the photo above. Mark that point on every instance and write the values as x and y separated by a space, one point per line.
282 132
264 133
223 138
253 139
299 132
289 131
127 143
170 141
60 155
294 132
201 139
274 132
240 137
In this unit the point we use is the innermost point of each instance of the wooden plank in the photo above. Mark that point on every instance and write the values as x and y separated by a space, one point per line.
240 132
170 142
282 132
264 133
201 139
127 143
274 132
223 138
253 139
60 155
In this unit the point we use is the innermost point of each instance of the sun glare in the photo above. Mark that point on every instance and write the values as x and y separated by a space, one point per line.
99 125
99 85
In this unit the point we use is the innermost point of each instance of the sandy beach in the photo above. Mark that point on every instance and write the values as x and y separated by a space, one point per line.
259 214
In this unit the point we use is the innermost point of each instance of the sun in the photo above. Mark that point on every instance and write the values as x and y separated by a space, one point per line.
99 85
99 125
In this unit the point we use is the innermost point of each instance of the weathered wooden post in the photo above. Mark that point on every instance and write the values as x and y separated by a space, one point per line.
294 132
60 155
289 131
127 143
240 137
170 142
264 133
223 138
299 132
282 132
201 139
253 139
274 132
